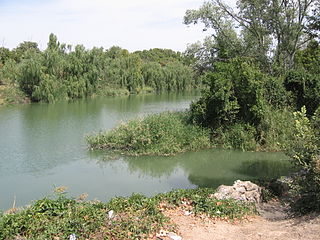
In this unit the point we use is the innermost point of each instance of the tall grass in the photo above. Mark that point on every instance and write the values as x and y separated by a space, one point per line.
274 133
11 94
160 134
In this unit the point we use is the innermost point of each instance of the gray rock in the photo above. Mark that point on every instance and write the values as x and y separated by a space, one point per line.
240 190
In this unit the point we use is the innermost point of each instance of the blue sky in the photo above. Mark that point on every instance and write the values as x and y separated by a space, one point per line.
131 24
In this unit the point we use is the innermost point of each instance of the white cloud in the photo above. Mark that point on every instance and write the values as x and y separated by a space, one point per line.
139 24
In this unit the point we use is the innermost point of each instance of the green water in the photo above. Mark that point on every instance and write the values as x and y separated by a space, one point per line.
42 146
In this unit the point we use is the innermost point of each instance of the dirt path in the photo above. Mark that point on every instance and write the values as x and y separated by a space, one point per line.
273 224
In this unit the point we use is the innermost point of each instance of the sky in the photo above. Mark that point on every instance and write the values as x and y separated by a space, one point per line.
130 24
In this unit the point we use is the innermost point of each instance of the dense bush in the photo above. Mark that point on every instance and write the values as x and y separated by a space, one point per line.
305 89
161 134
235 92
237 136
305 154
276 130
245 108
303 82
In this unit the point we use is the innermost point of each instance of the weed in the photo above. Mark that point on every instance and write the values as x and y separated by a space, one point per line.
161 134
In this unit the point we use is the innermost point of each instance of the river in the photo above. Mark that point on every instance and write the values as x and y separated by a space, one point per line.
42 146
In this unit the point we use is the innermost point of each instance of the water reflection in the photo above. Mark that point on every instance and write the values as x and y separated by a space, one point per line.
265 168
211 168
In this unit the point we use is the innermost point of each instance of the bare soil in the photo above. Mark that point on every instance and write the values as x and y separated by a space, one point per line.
274 223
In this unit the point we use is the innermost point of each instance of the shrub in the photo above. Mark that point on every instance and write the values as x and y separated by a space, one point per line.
276 129
238 136
53 217
160 134
11 94
305 88
235 92
305 154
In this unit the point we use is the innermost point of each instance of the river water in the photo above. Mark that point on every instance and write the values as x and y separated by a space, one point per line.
42 146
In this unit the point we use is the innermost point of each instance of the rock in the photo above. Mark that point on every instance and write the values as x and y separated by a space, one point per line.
240 190
174 236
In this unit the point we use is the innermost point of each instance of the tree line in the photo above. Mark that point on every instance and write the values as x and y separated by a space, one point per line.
63 72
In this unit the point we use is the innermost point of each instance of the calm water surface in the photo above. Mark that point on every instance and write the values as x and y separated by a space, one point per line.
42 146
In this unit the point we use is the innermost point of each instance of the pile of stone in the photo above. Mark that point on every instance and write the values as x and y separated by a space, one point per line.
240 190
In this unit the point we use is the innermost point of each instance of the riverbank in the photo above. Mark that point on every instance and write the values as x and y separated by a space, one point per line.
180 214
136 217
12 95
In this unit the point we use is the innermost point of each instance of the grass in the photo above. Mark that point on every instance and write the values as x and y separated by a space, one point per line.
160 134
11 94
135 217
274 133
111 91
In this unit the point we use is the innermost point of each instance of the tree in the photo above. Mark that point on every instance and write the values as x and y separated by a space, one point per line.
304 80
162 56
313 27
267 27
18 52
5 54
224 43
235 92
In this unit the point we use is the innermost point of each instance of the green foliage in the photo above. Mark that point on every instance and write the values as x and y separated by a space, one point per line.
9 72
158 55
313 27
135 217
19 53
202 201
161 134
265 27
30 73
276 130
275 92
49 218
305 154
153 75
238 136
246 108
61 72
11 94
305 88
309 58
303 82
235 93
5 55
178 77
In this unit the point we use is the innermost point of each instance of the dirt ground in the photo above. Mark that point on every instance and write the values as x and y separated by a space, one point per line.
274 223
